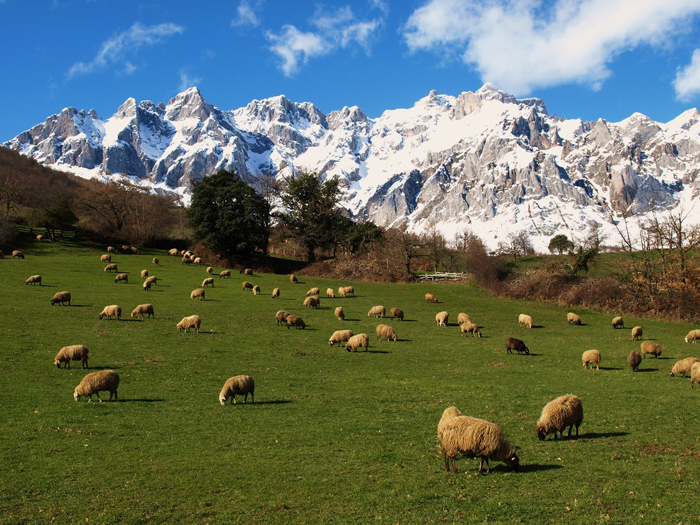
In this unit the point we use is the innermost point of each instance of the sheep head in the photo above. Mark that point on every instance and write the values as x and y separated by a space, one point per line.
222 400
541 432
513 462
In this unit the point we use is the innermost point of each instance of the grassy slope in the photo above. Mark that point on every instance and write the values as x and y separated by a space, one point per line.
333 437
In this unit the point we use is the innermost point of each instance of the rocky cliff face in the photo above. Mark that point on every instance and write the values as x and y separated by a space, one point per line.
482 160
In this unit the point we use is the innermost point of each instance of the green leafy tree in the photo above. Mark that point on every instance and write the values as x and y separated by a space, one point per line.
58 217
560 244
228 216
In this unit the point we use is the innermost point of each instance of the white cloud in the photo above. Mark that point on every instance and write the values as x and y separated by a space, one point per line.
116 49
186 81
246 14
687 82
295 48
519 45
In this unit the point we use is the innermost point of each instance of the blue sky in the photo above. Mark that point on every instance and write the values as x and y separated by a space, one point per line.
584 58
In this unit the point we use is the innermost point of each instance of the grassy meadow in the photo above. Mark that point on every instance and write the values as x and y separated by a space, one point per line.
333 436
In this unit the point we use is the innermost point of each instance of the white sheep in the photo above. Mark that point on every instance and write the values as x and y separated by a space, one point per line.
564 411
210 270
152 280
256 290
693 336
441 318
357 341
293 279
225 273
618 322
111 310
96 382
573 318
186 260
695 374
349 290
634 359
430 298
683 366
173 252
143 309
122 277
650 348
330 293
60 298
197 261
111 249
146 285
592 357
111 268
72 353
33 279
525 320
155 261
463 318
340 336
384 330
275 292
295 320
238 386
339 313
313 301
208 281
16 254
281 317
396 312
144 274
637 333
106 258
246 285
193 321
377 311
341 292
470 328
312 291
248 271
198 293
134 250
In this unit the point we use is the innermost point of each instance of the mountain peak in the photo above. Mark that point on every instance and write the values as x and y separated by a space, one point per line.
188 104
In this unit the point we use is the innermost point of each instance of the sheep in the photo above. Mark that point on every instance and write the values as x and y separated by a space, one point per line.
122 277
198 293
357 341
124 248
143 309
197 261
173 252
396 312
617 322
225 273
281 317
330 293
312 291
650 348
238 386
573 318
349 290
339 336
193 321
384 330
694 374
33 279
111 268
634 359
106 258
516 344
144 274
210 270
376 311
39 238
471 328
186 260
592 357
256 290
525 320
341 292
134 250
155 261
564 411
72 353
207 281
293 279
16 254
683 366
246 285
152 280
441 318
637 333
430 298
463 318
96 382
146 285
111 249
339 313
111 310
60 298
295 320
693 336
312 302
470 435
275 292
248 271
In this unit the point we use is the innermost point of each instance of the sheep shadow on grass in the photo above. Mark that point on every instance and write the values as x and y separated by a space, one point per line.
374 352
597 435
610 368
271 402
647 370
537 468
140 400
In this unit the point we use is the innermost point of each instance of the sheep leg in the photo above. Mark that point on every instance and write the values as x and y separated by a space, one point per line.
447 462
454 466
570 427
252 399
245 398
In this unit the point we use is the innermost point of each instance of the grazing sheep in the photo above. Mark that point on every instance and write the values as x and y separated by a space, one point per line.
634 359
134 250
246 285
349 290
617 322
463 318
186 260
312 291
60 298
339 336
396 312
295 320
111 310
357 341
111 268
197 261
470 328
650 348
637 333
198 293
143 309
281 317
207 281
516 344
694 374
225 273
193 321
173 252
256 290
573 318
441 318
248 271
564 411
238 386
106 258
155 261
146 286
39 238
430 298
592 357
275 292
152 280
293 279
122 277
525 320
96 382
111 249
124 248
312 302
72 353
144 274
16 254
376 311
33 279
470 435
341 292
210 270
330 293
384 330
339 313
683 366
693 336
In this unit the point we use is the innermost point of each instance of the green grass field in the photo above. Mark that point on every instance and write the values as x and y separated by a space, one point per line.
333 436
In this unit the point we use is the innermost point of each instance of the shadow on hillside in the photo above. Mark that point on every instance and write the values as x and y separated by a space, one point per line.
596 435
610 368
377 352
536 468
272 402
105 367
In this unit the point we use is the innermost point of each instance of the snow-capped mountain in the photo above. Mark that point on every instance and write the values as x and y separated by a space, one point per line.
485 160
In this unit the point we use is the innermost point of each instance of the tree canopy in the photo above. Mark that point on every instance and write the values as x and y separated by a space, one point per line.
560 244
